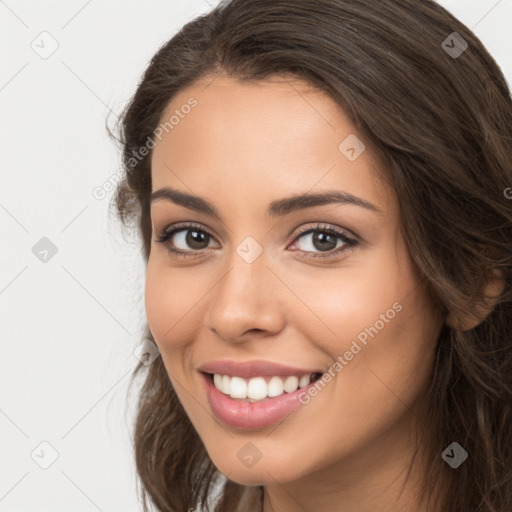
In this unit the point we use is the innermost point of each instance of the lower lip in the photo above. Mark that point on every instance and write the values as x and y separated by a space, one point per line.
251 415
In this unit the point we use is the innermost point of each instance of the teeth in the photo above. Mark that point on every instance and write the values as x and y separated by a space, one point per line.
225 387
259 388
256 388
291 384
304 381
217 380
275 387
237 388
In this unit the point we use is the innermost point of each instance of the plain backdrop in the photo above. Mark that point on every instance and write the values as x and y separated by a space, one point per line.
71 286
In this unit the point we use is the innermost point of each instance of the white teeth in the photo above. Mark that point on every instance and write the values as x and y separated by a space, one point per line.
237 388
225 384
257 388
291 383
304 381
275 387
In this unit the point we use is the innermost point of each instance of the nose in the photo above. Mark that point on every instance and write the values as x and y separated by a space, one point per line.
248 300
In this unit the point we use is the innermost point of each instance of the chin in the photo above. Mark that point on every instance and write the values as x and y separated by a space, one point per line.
261 473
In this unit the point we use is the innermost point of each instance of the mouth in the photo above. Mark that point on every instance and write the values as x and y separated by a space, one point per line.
252 405
257 389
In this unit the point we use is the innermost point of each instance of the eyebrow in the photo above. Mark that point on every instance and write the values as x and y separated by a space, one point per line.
277 208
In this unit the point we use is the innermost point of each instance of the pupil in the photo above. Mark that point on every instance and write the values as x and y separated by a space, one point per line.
196 238
324 241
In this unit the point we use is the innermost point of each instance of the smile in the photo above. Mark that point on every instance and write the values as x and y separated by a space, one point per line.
260 388
253 414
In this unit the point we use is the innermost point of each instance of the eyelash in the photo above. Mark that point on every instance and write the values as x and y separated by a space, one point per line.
350 242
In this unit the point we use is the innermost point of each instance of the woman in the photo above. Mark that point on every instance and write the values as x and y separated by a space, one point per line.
320 188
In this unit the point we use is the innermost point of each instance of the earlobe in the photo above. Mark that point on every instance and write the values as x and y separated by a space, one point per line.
493 290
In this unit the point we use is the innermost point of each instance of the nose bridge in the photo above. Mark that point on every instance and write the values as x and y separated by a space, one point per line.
246 264
244 298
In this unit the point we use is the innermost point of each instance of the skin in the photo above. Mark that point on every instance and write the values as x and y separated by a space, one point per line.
242 147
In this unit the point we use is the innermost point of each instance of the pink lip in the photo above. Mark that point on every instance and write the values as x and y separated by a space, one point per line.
240 414
257 368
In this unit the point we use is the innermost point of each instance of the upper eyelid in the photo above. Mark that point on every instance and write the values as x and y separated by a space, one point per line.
175 228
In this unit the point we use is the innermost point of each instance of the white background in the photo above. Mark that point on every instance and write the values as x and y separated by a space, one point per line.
69 325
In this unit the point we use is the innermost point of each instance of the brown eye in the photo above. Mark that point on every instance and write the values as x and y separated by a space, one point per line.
185 239
323 242
193 239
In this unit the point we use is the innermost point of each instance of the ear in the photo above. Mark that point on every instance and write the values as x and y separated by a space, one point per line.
493 290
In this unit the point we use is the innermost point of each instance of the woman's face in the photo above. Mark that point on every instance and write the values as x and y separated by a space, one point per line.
254 287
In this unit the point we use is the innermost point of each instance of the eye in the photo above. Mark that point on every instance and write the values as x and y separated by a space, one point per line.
185 239
325 239
189 240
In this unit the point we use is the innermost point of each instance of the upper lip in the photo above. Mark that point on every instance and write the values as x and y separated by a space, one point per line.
256 368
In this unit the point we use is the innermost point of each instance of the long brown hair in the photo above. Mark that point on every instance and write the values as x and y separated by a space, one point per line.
439 114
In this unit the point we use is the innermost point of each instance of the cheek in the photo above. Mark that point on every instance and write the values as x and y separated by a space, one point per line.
383 379
386 330
344 304
170 296
393 359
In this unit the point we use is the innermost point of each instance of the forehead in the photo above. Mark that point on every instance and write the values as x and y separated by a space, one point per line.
278 134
